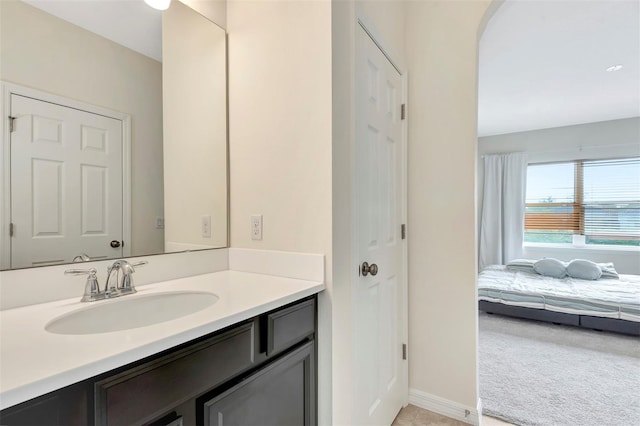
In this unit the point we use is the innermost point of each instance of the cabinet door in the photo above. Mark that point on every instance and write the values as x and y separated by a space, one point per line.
64 407
282 393
45 411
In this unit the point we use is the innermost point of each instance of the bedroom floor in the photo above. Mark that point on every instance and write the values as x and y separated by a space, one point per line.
416 416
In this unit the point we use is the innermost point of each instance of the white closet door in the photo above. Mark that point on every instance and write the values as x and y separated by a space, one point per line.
66 184
380 384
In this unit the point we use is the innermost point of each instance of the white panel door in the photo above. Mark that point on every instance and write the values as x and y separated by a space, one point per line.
66 184
380 383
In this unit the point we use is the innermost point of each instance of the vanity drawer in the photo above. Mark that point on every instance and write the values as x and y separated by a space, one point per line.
290 325
147 391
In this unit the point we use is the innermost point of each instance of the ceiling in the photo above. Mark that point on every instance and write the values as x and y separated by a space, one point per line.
130 23
543 64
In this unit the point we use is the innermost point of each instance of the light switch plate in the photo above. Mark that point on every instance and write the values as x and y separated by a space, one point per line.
256 227
159 222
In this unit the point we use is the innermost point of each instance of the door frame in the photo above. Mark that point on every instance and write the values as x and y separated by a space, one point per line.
394 59
8 89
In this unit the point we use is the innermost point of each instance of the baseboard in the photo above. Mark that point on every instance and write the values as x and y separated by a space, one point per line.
446 407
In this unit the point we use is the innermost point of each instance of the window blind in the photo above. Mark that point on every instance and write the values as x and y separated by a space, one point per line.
598 199
611 200
551 199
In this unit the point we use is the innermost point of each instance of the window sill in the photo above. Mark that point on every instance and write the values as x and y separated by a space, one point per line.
591 247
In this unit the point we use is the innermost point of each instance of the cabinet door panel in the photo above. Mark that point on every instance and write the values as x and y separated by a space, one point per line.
283 393
42 412
65 407
148 391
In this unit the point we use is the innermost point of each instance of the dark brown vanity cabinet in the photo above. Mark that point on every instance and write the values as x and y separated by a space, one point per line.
258 372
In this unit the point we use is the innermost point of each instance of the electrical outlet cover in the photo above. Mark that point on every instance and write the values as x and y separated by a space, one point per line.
256 227
206 226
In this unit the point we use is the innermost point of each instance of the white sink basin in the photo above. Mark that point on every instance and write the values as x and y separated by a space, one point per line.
131 311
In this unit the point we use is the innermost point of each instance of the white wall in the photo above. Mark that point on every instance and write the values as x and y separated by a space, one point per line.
46 53
343 45
386 19
606 139
195 129
214 10
442 47
280 123
280 138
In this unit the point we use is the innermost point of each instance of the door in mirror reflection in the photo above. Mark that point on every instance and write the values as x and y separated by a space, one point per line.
66 183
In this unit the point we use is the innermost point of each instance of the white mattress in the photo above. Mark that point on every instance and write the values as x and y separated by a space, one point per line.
608 298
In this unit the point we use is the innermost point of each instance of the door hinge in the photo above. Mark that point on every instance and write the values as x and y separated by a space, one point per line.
402 111
403 231
11 229
404 351
11 124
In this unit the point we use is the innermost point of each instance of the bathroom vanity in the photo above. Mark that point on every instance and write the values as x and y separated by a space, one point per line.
260 371
249 358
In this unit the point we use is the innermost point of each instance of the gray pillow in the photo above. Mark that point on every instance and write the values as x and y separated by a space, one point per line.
525 265
584 269
550 267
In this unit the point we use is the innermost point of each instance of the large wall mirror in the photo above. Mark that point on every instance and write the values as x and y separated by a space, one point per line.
114 131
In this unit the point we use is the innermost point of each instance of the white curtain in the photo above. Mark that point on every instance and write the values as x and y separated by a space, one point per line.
502 227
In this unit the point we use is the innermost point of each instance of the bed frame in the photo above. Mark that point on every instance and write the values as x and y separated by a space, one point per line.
584 321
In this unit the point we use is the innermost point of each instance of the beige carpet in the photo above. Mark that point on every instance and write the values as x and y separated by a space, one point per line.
535 373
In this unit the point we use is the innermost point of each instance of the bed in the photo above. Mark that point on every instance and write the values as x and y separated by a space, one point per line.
611 304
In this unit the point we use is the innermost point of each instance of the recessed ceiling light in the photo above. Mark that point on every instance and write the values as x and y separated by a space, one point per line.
158 4
613 68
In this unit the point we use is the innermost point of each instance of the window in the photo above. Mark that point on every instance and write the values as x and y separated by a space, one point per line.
584 202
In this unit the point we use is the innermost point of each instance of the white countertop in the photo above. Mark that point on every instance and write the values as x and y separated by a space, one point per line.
34 361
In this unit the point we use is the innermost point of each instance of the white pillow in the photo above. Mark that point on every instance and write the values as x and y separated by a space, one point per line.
550 267
584 269
608 270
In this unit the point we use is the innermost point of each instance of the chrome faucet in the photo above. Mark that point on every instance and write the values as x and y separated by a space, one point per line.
124 285
114 287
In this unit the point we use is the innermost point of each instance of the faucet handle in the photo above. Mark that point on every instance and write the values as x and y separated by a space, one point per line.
91 288
91 271
127 278
82 257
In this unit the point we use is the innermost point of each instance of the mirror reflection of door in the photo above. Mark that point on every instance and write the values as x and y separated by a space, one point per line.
66 183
